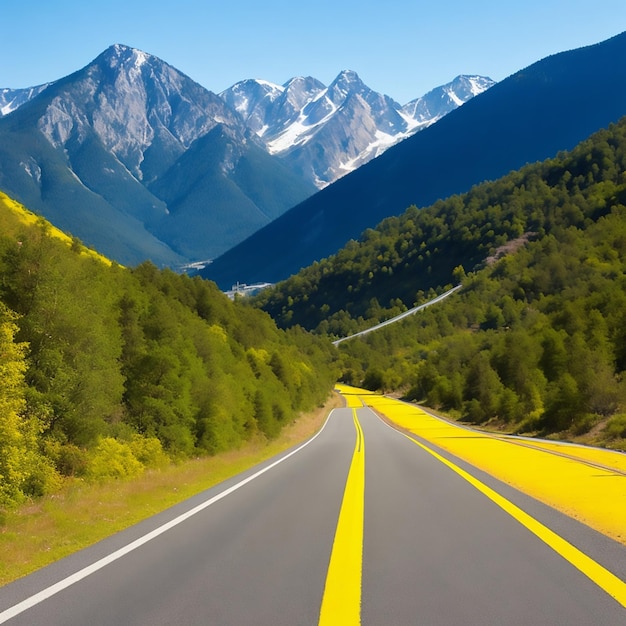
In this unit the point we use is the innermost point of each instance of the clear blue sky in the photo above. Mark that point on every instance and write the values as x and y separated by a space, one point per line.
402 48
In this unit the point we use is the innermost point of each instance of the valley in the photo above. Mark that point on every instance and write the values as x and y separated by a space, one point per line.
464 252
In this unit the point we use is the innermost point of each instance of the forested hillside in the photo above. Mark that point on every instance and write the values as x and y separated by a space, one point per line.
535 339
547 107
106 370
393 266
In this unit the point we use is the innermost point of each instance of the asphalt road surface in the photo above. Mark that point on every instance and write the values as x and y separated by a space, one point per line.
416 544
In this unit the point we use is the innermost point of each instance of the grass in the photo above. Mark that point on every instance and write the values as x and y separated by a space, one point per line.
81 514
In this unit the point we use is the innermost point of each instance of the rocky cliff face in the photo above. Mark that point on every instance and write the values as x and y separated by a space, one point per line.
137 106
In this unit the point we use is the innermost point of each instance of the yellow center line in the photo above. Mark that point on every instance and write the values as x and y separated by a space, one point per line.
602 577
341 603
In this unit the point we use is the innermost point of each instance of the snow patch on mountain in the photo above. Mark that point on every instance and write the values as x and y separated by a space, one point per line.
12 99
328 131
303 129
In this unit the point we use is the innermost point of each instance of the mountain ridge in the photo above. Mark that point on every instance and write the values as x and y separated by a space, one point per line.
347 122
532 115
87 153
104 153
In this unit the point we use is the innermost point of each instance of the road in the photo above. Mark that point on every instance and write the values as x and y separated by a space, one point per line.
363 524
401 316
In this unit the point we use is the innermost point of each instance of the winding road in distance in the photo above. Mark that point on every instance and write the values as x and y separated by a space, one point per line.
401 316
363 524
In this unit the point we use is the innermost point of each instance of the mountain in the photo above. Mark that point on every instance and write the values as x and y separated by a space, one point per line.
547 107
410 255
325 132
12 99
442 100
140 162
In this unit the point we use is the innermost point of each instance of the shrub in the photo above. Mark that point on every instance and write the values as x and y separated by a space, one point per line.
616 427
148 451
584 423
42 479
71 460
112 459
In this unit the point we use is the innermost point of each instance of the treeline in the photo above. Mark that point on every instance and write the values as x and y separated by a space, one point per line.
404 260
535 340
105 370
535 343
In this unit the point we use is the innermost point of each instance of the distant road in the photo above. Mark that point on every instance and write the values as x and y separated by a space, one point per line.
360 526
397 318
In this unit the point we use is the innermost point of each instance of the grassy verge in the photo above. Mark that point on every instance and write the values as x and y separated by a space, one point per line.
46 530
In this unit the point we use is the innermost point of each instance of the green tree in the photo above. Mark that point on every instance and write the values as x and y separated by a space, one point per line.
23 470
563 404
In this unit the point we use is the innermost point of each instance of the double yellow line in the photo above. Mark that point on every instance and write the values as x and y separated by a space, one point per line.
341 603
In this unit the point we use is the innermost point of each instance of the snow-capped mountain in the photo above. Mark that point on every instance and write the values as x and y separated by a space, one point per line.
139 161
135 104
442 100
326 132
11 99
540 110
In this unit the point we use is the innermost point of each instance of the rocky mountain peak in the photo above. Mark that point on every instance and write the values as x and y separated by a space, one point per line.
131 100
301 90
326 132
348 79
119 55
442 100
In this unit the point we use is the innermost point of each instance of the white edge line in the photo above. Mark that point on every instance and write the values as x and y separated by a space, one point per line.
44 594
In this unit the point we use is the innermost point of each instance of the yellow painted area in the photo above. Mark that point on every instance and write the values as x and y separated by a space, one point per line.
341 603
30 219
351 395
616 460
593 495
615 587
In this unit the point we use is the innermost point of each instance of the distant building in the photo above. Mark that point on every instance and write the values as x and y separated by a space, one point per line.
241 289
